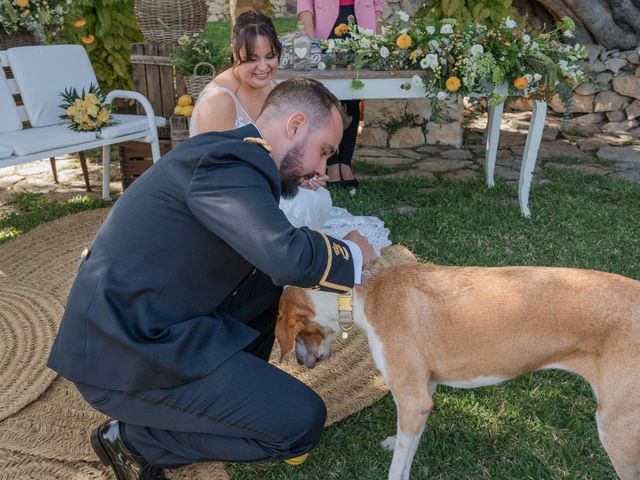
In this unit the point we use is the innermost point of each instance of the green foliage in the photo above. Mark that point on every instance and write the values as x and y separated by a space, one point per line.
487 12
408 120
112 27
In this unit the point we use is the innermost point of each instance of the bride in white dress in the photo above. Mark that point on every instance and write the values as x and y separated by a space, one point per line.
221 106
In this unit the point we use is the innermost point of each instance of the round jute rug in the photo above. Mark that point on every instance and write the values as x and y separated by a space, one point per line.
28 322
48 257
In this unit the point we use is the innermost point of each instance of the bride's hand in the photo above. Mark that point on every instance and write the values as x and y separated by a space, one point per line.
315 182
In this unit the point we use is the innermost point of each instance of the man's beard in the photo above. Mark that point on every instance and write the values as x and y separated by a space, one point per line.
291 170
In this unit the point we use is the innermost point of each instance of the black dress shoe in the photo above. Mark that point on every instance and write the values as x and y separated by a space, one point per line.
108 444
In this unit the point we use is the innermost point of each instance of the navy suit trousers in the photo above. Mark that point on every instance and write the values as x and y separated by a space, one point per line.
244 411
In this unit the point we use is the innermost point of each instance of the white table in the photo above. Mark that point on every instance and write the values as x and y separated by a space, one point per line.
387 85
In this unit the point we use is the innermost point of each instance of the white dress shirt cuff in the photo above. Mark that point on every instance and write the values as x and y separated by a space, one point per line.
356 253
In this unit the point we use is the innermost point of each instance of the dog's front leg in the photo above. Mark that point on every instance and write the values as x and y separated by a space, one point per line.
413 407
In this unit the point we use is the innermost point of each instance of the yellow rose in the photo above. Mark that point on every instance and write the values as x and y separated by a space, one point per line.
520 83
26 12
92 111
22 3
103 116
341 29
81 22
87 39
403 41
452 84
71 111
92 99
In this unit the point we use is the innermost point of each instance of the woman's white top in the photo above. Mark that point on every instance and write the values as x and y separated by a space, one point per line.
309 208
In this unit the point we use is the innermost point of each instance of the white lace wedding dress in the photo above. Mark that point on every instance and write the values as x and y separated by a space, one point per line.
309 208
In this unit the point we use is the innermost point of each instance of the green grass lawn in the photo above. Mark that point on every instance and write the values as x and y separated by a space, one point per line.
220 32
539 426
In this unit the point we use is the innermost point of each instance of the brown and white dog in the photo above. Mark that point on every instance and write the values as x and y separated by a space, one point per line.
471 326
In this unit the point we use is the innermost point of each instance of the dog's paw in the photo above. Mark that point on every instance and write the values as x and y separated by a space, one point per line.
388 443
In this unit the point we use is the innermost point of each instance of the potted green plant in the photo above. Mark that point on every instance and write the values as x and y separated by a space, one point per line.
197 59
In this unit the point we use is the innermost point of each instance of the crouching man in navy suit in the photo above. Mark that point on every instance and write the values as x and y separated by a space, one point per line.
170 321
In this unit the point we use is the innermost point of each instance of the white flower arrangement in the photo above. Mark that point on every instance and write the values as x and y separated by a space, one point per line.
463 59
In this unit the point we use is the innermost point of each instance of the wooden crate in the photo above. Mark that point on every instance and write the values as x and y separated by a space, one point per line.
136 158
154 77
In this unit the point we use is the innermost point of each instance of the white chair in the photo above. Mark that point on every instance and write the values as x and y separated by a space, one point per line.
41 73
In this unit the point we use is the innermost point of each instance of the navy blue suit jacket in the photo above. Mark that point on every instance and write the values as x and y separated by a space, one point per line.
143 312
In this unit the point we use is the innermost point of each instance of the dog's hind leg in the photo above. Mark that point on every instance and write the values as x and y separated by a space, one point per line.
619 430
414 404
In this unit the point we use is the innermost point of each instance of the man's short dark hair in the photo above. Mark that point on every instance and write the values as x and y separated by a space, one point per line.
306 95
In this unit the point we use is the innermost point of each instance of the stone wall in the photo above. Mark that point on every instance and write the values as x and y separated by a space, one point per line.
612 105
219 9
409 123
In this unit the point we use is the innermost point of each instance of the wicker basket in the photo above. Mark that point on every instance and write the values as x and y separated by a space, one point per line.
164 21
195 83
19 39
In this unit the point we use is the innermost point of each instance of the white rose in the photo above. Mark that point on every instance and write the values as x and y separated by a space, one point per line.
429 61
417 81
476 49
510 23
322 66
431 29
537 77
526 38
384 52
446 29
332 44
434 45
365 43
402 15
442 96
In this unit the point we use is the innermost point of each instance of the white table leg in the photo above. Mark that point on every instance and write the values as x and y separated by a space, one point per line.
106 173
493 136
534 136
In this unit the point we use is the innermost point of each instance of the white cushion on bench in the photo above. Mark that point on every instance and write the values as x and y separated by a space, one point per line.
127 124
29 140
9 118
5 151
43 72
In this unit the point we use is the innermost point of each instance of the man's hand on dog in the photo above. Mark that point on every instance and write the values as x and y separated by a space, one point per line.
369 256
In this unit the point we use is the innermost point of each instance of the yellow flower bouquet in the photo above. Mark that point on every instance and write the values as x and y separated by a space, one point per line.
86 112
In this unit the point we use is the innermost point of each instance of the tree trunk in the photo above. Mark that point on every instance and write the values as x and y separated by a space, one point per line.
610 23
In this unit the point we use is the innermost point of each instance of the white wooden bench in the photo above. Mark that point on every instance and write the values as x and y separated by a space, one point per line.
30 125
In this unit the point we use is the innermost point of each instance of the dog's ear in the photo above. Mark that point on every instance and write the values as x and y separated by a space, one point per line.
292 318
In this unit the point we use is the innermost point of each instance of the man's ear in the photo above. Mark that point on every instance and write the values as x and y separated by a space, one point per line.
297 126
289 324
